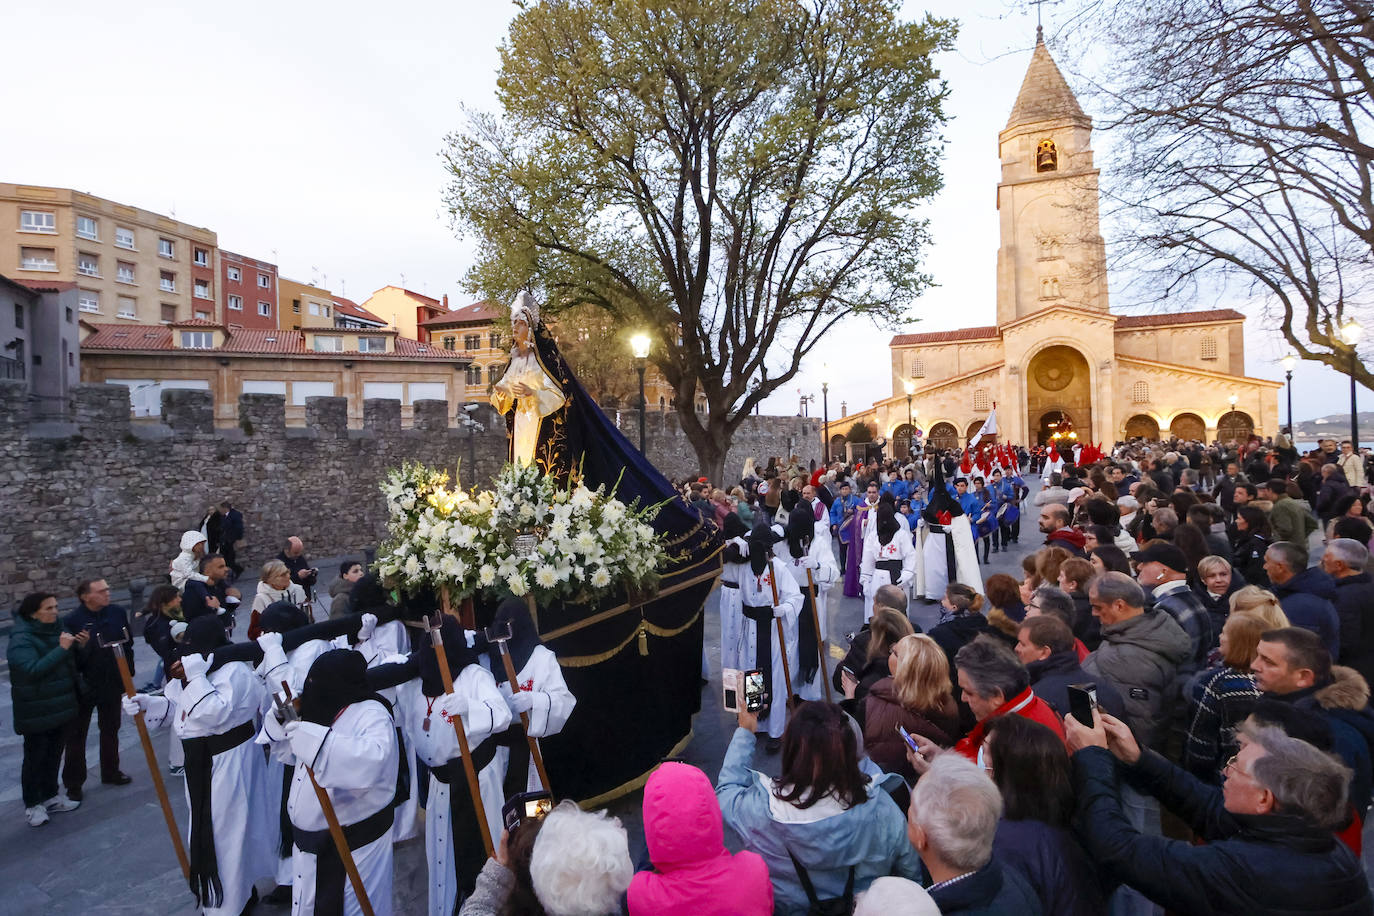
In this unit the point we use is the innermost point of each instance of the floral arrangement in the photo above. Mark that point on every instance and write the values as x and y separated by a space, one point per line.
526 535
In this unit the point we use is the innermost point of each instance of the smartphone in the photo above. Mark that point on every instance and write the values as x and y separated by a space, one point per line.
525 806
730 682
1082 702
845 669
755 693
910 741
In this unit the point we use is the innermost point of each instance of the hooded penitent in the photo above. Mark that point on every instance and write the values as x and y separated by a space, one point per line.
337 679
282 617
203 636
456 651
524 639
801 528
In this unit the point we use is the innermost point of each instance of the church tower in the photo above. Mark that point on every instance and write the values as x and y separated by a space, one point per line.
1051 251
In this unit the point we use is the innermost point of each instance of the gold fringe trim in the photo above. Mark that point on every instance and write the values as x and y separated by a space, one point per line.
586 661
623 608
634 785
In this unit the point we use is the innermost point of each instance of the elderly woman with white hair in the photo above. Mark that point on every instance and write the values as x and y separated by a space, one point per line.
952 822
579 866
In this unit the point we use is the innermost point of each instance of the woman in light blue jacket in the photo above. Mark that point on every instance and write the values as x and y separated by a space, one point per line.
823 810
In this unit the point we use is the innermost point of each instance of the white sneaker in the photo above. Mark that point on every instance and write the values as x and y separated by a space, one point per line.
61 803
37 815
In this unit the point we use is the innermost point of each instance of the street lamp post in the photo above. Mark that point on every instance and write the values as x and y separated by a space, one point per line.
825 409
639 344
1289 362
1350 333
910 387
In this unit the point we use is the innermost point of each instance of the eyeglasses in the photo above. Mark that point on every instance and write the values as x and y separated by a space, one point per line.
1233 765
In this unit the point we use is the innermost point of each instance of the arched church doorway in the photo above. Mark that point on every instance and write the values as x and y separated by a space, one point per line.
973 430
1235 426
1142 426
1188 426
943 436
1056 426
1058 380
837 442
902 437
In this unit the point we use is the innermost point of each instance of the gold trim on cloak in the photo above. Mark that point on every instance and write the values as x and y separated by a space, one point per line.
634 785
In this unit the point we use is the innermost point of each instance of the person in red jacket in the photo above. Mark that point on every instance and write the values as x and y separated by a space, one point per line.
995 683
694 874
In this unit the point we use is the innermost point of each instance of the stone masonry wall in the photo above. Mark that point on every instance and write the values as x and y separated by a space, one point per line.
110 499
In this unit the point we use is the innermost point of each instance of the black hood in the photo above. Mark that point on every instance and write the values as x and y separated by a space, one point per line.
455 650
282 617
337 679
940 500
523 640
801 528
761 541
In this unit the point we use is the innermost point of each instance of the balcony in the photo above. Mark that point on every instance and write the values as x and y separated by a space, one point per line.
11 368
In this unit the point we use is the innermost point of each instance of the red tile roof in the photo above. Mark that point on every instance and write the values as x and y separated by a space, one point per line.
248 341
349 307
479 311
195 323
982 333
45 286
1168 318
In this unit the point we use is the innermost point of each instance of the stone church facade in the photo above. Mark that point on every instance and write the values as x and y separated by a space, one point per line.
1058 361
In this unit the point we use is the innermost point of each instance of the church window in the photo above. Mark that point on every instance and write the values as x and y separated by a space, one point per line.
1046 157
918 369
980 399
1049 248
1049 288
1140 393
1209 348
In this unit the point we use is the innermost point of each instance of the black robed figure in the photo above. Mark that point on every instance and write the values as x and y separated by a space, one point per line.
634 668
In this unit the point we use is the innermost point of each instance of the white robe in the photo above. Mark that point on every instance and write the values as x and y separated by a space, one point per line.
553 703
757 591
275 667
824 572
212 705
899 548
731 620
936 564
529 411
390 642
355 761
487 714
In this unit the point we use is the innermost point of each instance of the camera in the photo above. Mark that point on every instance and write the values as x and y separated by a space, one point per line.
525 806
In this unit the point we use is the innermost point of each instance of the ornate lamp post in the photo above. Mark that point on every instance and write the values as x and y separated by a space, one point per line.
639 344
910 387
1288 363
1350 333
825 409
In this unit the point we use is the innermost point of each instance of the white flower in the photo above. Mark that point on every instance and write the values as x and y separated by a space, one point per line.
486 576
408 503
585 542
600 578
613 511
516 584
545 577
412 566
581 498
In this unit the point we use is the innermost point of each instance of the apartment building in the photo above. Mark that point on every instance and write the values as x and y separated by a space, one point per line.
305 306
355 363
248 291
406 310
40 341
129 264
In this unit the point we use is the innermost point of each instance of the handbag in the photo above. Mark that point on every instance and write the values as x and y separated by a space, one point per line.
831 906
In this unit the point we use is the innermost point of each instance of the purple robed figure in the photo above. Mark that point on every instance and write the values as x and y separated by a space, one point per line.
855 557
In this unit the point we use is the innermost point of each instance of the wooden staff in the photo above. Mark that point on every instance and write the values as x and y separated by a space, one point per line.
821 642
330 816
436 637
782 640
535 754
153 769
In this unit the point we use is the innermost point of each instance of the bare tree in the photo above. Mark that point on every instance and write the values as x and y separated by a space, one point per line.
1242 161
733 176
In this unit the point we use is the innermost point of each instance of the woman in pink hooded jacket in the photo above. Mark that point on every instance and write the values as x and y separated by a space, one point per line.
694 874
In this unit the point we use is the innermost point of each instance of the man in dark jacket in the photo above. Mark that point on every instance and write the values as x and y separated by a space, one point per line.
1054 524
302 573
1162 567
1305 593
1269 830
952 822
231 532
211 596
97 618
1045 646
1344 561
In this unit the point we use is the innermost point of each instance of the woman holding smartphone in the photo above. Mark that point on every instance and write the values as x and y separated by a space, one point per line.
916 699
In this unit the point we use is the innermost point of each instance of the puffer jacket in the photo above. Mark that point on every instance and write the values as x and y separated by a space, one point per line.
42 677
1140 656
1307 599
870 836
1056 866
694 874
883 712
1355 607
1343 702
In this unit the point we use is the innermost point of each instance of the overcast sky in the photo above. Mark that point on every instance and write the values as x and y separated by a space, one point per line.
308 134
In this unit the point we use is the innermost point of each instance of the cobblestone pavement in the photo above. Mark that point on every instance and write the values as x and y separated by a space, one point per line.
112 855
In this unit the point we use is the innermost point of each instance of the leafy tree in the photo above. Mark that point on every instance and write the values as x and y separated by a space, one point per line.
860 432
733 176
1243 152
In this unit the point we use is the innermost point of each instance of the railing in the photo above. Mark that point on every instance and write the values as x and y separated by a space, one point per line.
11 368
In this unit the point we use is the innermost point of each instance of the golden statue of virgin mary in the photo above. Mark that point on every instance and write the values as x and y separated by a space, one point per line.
525 385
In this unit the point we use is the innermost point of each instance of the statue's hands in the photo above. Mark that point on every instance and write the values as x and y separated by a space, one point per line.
521 390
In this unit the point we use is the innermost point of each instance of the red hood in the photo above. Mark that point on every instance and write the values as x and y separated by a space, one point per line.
1070 535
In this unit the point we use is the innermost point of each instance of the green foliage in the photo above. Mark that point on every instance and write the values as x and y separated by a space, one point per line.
726 174
859 432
